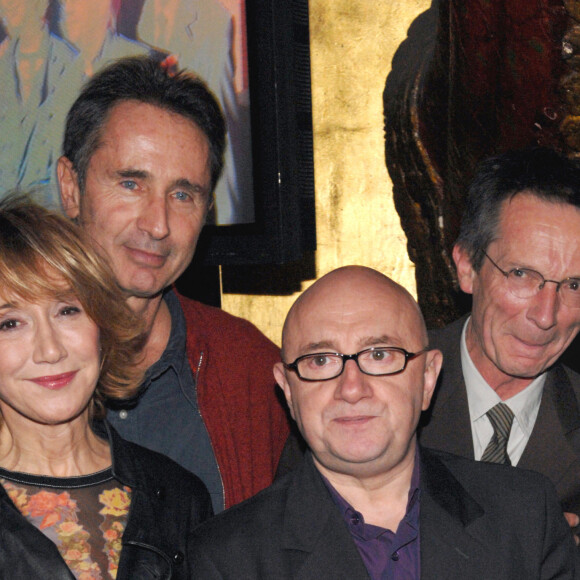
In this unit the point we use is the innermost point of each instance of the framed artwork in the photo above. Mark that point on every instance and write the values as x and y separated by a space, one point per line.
278 57
278 52
254 56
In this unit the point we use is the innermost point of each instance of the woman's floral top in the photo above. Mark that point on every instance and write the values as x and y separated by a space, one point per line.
84 516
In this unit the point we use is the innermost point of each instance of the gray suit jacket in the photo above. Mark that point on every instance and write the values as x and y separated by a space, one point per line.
293 529
553 448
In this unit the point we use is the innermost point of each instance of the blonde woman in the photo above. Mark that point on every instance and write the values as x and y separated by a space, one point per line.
76 500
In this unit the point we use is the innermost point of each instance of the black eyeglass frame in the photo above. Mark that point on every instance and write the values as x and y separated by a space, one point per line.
293 366
506 274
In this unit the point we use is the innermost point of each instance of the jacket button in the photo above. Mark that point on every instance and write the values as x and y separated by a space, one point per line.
159 493
178 557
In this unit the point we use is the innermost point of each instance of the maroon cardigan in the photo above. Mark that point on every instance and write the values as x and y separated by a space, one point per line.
237 396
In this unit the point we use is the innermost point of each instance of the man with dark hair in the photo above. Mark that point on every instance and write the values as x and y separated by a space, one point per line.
143 150
145 81
366 501
502 395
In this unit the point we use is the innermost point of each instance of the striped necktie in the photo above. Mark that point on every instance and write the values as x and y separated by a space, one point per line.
501 417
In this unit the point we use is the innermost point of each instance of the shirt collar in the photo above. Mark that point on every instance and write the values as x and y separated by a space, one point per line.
481 397
347 511
174 354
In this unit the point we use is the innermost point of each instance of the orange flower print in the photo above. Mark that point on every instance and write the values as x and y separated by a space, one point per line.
87 571
18 496
69 529
44 502
110 535
116 502
115 512
49 520
73 555
58 516
113 569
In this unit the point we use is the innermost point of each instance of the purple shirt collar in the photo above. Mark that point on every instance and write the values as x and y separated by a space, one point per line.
387 554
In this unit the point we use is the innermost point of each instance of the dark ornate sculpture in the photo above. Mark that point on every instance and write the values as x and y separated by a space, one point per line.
473 79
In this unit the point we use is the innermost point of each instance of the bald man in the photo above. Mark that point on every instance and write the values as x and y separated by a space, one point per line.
366 501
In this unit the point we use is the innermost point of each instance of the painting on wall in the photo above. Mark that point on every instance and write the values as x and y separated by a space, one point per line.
254 56
49 48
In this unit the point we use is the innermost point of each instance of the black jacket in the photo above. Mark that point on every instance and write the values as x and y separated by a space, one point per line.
478 521
166 502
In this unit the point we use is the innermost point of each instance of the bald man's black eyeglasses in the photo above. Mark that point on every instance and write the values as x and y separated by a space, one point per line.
378 361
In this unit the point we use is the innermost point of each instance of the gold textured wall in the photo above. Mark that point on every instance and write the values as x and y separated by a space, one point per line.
352 45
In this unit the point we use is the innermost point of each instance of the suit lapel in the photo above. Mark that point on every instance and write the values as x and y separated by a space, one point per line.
446 425
556 434
334 556
450 518
319 542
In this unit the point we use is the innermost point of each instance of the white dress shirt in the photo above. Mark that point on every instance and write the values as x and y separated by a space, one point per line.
481 398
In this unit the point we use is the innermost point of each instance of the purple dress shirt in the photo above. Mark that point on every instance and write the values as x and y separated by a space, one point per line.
387 555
